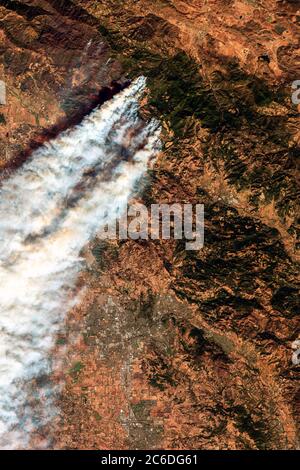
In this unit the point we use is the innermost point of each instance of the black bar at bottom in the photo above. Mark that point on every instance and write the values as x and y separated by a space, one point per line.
152 458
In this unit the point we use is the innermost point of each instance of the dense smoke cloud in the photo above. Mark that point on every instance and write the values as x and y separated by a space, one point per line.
49 210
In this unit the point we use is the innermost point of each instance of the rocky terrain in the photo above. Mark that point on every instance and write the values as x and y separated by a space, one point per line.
170 348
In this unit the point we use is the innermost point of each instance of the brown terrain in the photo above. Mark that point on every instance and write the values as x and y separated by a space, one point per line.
171 348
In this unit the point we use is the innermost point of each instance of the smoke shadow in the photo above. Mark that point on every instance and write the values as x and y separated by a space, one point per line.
77 114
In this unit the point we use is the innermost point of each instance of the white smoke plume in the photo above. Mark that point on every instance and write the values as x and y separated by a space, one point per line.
49 209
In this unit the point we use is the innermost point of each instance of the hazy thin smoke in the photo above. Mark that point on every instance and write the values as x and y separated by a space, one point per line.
49 210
